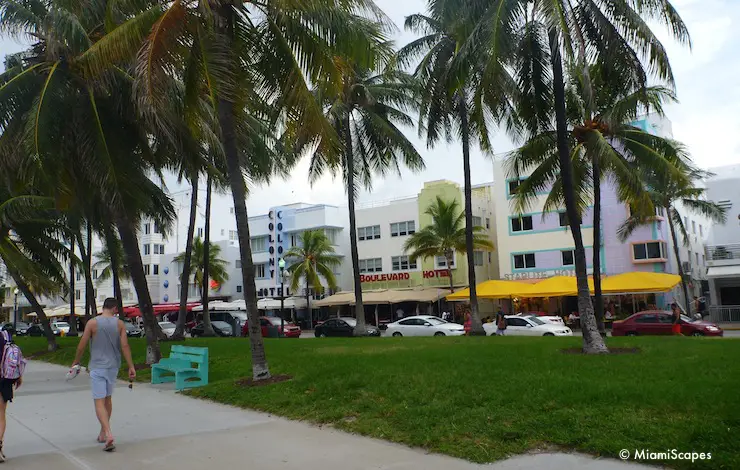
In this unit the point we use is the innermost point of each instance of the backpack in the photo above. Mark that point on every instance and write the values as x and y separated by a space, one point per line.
13 364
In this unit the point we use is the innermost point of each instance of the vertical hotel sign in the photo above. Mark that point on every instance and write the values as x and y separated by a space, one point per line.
276 238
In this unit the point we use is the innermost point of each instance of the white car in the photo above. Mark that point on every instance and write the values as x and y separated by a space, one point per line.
62 326
168 328
424 325
528 326
555 320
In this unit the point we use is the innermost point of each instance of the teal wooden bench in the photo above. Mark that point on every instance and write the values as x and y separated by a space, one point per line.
186 366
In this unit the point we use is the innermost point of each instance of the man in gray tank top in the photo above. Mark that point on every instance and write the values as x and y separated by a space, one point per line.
109 340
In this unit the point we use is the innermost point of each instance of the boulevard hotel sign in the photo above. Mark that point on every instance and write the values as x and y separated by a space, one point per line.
401 276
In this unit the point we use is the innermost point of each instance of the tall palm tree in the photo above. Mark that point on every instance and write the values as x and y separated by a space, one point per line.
311 260
214 269
604 145
452 103
581 32
445 236
187 259
365 113
111 266
664 191
78 138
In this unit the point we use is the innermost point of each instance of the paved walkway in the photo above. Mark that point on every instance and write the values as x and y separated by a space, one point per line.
52 424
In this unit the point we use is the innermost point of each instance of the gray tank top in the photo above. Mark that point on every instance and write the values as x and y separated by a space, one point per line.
105 348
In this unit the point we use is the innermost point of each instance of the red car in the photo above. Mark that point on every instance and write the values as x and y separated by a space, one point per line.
291 330
660 322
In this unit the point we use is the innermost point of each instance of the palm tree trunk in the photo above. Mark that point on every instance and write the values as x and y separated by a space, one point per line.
260 370
598 297
476 326
115 267
185 277
308 306
26 290
90 308
207 327
360 327
668 211
592 340
448 259
130 244
72 316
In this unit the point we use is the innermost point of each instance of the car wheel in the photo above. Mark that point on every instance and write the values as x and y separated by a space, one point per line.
322 335
548 334
697 333
397 333
439 333
631 333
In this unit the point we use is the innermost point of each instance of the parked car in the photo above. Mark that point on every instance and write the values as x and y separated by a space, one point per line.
38 330
168 328
528 326
221 328
235 318
343 326
133 330
19 329
291 329
62 326
424 325
554 319
660 322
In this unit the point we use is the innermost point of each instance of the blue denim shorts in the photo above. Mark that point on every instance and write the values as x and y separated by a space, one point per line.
102 382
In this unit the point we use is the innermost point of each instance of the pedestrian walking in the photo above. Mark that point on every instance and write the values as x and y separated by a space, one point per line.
676 319
108 340
500 323
468 324
12 366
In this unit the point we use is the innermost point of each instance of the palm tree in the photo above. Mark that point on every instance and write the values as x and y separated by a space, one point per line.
532 38
452 103
311 260
604 145
445 236
110 263
205 271
187 260
664 191
78 137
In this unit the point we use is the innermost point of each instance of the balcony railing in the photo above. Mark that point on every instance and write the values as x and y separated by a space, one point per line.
724 313
723 252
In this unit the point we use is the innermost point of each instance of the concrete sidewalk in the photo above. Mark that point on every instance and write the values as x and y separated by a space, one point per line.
51 424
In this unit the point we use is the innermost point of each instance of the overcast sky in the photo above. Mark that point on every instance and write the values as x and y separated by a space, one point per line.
707 119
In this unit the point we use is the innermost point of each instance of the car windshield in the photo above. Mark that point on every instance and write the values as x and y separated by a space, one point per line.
536 321
241 316
62 323
276 320
687 319
165 325
221 324
435 321
350 321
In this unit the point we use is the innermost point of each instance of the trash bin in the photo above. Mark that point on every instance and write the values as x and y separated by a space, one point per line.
273 331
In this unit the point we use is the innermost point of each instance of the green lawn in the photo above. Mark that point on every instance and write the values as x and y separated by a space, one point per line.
482 399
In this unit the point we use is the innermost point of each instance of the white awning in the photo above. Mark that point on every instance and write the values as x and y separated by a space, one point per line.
724 271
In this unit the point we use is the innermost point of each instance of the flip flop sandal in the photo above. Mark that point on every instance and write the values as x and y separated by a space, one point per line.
109 446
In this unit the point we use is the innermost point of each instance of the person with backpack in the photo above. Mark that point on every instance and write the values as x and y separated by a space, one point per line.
109 340
11 377
500 322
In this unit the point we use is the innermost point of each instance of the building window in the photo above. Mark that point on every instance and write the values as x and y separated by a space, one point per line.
372 265
686 222
478 258
233 235
697 258
403 228
521 224
368 233
693 227
477 222
95 274
488 223
563 218
155 269
524 260
156 228
489 256
161 249
402 263
701 230
78 294
331 235
231 211
514 186
147 269
147 249
79 276
259 271
238 264
703 260
440 262
649 251
147 228
238 288
223 232
569 257
259 244
200 232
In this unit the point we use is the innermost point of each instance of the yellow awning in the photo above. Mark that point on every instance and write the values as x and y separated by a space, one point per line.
495 289
558 286
639 282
